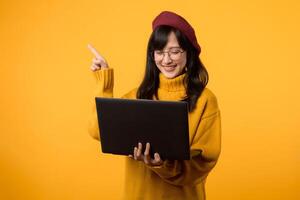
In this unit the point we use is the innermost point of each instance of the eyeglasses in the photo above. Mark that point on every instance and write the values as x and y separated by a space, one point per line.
173 53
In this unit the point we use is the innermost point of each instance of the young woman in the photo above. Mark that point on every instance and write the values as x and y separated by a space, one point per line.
173 72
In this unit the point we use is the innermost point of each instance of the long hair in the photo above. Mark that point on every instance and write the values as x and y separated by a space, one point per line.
196 75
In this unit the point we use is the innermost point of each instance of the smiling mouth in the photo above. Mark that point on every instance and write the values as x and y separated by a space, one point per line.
169 68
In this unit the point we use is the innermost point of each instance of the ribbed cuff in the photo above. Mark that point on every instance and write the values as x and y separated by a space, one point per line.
105 82
105 76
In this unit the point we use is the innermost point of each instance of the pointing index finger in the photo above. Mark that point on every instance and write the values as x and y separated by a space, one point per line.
94 51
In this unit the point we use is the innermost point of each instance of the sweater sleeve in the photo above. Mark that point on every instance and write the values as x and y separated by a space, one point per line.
205 150
104 88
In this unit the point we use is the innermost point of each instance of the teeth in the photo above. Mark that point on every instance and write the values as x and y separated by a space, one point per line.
170 66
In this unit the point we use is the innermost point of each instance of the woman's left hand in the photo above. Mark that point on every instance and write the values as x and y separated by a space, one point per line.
146 158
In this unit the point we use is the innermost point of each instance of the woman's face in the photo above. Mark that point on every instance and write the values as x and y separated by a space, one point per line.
173 63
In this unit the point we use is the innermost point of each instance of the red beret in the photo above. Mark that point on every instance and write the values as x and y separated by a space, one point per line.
176 21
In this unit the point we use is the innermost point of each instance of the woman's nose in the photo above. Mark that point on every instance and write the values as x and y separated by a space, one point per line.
166 59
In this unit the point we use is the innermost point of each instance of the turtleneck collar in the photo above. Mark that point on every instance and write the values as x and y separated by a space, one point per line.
171 89
172 85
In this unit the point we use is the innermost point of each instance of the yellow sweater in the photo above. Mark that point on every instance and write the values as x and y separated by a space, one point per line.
174 179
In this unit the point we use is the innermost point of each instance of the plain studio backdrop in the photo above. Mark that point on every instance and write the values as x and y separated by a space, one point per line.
251 51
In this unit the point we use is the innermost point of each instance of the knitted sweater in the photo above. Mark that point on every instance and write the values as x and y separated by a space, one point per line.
173 179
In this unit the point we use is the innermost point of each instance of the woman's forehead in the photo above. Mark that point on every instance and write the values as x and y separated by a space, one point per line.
165 41
172 41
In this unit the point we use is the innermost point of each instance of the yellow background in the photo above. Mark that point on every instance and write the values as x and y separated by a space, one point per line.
250 48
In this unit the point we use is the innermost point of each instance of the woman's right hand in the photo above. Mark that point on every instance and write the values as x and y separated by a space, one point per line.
139 156
98 61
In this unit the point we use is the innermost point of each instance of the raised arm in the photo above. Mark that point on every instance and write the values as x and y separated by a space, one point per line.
104 88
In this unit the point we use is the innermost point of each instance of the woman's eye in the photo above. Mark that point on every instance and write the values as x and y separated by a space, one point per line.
174 52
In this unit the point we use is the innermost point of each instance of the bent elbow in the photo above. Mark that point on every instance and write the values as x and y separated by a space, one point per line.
94 132
94 135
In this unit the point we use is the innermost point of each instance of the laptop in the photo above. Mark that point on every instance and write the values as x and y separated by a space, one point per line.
125 122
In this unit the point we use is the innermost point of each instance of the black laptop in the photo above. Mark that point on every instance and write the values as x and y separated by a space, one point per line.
125 122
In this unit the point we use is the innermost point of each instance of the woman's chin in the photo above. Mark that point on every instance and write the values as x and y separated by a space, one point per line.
169 74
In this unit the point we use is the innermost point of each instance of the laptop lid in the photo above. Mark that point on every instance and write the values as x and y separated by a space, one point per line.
125 122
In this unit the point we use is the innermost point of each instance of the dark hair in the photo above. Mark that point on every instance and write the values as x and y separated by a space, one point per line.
196 76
